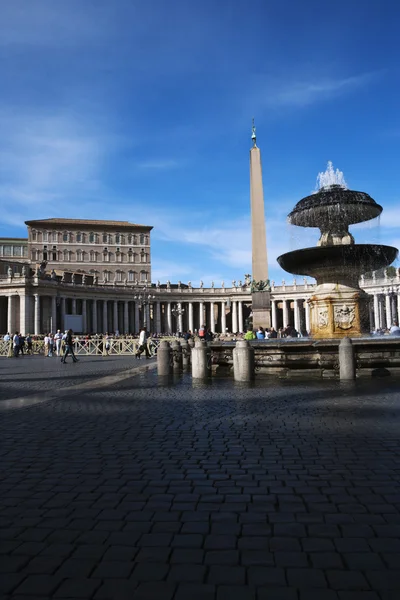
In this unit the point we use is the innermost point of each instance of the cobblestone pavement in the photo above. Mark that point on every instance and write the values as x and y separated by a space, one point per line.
214 491
37 374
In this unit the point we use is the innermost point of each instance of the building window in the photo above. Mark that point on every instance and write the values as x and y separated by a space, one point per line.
65 255
17 251
143 256
131 275
117 238
143 276
106 276
54 236
141 238
65 236
54 253
25 250
105 255
93 256
105 240
34 236
130 256
118 276
45 236
79 238
45 254
34 255
122 240
6 250
92 238
118 257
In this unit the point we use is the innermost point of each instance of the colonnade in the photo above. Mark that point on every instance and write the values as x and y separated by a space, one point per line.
39 313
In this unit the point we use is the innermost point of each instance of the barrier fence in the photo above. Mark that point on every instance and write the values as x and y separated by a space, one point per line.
93 347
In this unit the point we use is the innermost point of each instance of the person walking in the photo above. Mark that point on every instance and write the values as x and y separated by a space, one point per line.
29 345
16 344
51 345
58 338
46 344
69 348
143 344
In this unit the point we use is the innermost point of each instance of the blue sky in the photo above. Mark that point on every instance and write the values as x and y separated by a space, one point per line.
142 111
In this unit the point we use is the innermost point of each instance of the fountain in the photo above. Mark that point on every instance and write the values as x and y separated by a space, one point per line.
338 307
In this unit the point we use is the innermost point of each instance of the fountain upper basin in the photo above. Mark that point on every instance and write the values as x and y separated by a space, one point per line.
332 263
332 206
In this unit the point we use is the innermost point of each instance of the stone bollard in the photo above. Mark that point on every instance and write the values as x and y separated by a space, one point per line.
201 366
176 356
347 362
243 361
164 355
185 354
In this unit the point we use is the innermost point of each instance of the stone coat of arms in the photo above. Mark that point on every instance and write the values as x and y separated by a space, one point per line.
344 316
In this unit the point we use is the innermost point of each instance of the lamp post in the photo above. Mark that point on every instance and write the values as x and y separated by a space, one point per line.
178 311
144 299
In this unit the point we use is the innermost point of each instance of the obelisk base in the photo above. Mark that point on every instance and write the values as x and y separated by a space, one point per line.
261 309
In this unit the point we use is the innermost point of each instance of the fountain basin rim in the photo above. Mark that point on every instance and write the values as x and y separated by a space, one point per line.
317 259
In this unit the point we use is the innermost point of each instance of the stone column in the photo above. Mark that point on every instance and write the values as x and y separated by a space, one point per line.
10 315
297 324
63 304
37 314
234 317
24 314
377 322
240 315
274 315
307 317
74 306
191 321
115 316
105 317
285 313
212 317
180 320
94 316
137 317
169 318
158 316
84 315
398 307
223 317
147 313
126 317
201 314
388 311
53 314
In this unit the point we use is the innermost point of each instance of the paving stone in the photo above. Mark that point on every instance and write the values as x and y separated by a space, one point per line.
347 580
155 591
116 589
222 557
306 578
328 560
110 569
224 575
197 591
77 588
272 593
238 592
39 585
263 576
363 561
384 580
150 571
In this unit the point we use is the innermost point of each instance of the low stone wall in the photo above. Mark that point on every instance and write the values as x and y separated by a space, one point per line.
313 358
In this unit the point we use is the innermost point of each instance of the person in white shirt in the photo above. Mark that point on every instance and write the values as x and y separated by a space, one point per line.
16 344
58 337
7 337
143 344
46 344
395 329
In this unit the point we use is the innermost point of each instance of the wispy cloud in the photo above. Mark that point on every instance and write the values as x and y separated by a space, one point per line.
158 164
301 93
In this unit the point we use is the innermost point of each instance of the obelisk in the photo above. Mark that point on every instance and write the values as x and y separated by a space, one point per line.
261 302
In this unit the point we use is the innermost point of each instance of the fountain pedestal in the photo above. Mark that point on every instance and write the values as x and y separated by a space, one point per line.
337 310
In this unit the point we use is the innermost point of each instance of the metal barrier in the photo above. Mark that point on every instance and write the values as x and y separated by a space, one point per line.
94 347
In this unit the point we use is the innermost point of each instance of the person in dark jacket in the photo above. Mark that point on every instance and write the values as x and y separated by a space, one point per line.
69 347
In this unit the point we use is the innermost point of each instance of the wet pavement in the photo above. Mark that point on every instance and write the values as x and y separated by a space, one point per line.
142 490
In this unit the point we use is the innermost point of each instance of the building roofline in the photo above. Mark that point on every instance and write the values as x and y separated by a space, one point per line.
98 223
13 239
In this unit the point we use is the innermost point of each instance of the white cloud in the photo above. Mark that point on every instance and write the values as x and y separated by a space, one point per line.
308 91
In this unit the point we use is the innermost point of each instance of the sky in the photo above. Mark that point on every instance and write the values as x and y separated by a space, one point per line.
141 111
